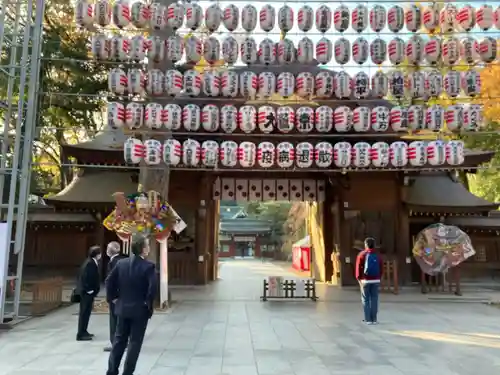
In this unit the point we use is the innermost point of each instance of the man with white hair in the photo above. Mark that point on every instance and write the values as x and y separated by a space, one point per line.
113 252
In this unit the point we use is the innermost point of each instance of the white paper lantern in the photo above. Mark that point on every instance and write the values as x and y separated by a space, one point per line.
434 117
194 49
174 82
342 49
305 18
485 17
324 84
158 19
285 120
359 18
191 114
247 153
210 118
304 84
378 17
192 83
496 18
248 51
304 118
153 115
452 81
120 48
194 15
380 117
121 13
229 118
416 117
414 49
155 48
360 50
343 85
101 47
323 18
153 152
230 50
267 51
396 51
209 153
211 50
436 153
398 119
84 13
433 50
361 119
361 154
266 154
342 117
191 153
138 47
466 18
304 155
174 48
211 83
398 154
455 154
471 82
267 18
213 17
266 118
229 82
285 154
103 12
247 118
175 15
305 51
469 50
136 81
397 84
267 84
324 119
415 84
155 81
323 154
380 84
395 18
433 83
116 115
285 18
172 116
361 85
286 51
417 153
134 115
448 18
133 151
413 18
249 83
117 81
430 17
451 51
228 153
473 117
285 84
488 49
378 51
342 154
341 18
324 50
249 18
172 152
139 14
454 116
380 154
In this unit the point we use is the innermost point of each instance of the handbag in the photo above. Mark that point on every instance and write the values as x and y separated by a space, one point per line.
75 296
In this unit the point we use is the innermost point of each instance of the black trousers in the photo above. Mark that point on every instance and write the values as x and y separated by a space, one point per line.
86 305
112 322
131 331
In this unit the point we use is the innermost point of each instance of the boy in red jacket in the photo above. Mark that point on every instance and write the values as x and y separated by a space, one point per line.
369 269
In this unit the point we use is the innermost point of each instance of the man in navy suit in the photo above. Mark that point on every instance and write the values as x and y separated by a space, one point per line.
131 286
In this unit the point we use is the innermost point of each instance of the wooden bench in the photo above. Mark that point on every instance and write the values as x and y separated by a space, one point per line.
46 295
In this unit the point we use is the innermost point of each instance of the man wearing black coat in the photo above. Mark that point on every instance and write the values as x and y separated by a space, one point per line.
131 286
88 287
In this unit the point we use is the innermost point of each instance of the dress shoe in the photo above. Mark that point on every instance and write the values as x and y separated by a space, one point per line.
89 334
84 338
108 348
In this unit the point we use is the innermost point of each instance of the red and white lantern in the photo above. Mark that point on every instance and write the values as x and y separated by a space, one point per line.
248 84
192 83
210 118
324 84
415 84
285 155
103 12
121 13
247 152
433 84
155 48
471 82
304 118
305 51
433 50
323 19
153 149
414 49
396 50
172 116
285 18
134 115
174 16
469 50
211 83
153 116
359 18
158 19
417 153
213 17
267 52
267 18
488 49
378 17
485 17
133 151
416 117
174 48
451 51
342 154
496 18
380 117
209 153
342 84
398 154
191 115
434 117
324 50
361 152
448 18
174 82
194 15
430 18
378 51
286 84
155 81
397 84
285 121
361 85
395 18
101 47
452 83
229 118
172 152
360 50
211 50
436 153
380 84
116 115
380 154
84 13
413 18
248 50
267 84
361 119
120 48
117 81
286 51
305 18
398 119
323 154
466 18
228 153
249 18
191 153
230 50
229 82
473 117
138 47
455 152
266 154
136 81
194 49
342 117
454 117
304 84
304 155
324 119
266 118
341 18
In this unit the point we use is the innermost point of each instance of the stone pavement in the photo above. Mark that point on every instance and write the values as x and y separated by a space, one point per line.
231 332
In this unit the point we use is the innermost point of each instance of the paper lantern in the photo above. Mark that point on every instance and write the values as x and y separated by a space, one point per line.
116 115
413 18
286 51
174 48
304 155
448 18
430 17
324 119
267 51
359 18
485 17
136 81
454 116
305 51
210 118
416 117
433 83
378 51
101 47
397 84
285 18
84 13
434 117
342 154
452 81
415 84
134 115
266 119
380 84
209 153
395 18
323 154
248 51
398 154
455 152
153 115
469 50
285 121
436 153
451 51
172 152
230 50
324 84
267 84
285 155
471 82
249 18
158 20
433 50
247 118
191 153
248 84
229 82
361 152
305 18
342 117
380 117
286 84
380 154
396 50
194 49
211 83
154 82
304 84
361 85
103 12
267 18
174 82
360 48
324 50
140 14
133 151
414 49
175 15
138 47
120 48
229 118
228 153
341 18
398 119
361 118
117 81
153 150
192 83
172 116
323 18
342 83
488 49
417 153
247 152
213 17
342 49
473 117
194 15
378 17
211 50
496 18
466 18
155 48
304 118
191 114
266 154
121 13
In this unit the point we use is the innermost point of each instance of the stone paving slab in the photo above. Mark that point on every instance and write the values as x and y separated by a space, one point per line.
243 336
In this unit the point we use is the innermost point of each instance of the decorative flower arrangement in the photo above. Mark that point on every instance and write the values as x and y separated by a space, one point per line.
141 213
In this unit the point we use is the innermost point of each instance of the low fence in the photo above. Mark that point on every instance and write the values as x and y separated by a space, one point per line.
276 287
390 278
46 295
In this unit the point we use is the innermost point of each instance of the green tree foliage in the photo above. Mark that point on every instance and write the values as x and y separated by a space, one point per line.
275 212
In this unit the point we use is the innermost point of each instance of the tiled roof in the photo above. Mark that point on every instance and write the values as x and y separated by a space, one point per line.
245 226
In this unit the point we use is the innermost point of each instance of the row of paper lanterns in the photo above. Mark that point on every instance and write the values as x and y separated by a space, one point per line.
325 84
415 50
286 155
266 119
192 16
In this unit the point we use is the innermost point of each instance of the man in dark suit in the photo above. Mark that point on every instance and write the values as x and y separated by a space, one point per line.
131 286
113 252
88 287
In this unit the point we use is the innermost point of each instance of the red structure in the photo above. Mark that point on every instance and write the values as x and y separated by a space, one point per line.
301 254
